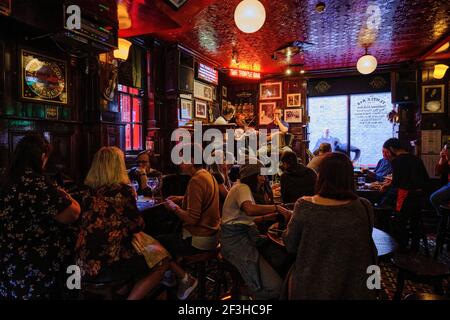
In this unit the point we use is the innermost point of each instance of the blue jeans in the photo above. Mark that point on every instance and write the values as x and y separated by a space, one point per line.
440 197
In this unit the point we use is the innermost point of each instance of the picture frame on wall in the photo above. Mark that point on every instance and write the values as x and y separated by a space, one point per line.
43 78
266 112
433 98
270 91
201 109
294 100
203 91
293 115
185 109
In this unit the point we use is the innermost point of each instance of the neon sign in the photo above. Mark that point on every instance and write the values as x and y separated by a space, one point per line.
246 74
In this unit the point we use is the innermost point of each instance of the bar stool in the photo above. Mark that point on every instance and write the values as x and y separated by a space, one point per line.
211 266
407 224
420 269
443 233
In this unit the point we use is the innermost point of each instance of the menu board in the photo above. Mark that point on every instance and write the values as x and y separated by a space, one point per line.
431 141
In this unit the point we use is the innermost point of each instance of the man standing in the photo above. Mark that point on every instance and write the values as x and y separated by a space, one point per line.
277 122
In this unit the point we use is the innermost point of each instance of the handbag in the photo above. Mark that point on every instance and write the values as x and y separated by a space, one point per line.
153 252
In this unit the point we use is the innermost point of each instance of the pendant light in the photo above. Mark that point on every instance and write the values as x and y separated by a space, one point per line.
249 16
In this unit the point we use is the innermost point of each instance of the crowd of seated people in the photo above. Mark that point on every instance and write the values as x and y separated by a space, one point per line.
328 236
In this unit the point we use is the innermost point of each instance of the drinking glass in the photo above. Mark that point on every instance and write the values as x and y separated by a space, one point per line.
153 184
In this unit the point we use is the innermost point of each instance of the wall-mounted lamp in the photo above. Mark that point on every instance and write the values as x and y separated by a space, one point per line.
124 48
439 71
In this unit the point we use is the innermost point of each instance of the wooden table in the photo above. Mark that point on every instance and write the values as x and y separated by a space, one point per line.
157 219
386 245
374 196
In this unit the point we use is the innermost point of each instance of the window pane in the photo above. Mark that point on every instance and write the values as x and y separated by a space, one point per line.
136 110
370 127
137 136
125 105
127 137
328 121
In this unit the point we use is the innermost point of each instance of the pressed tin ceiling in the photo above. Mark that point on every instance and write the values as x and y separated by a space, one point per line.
407 29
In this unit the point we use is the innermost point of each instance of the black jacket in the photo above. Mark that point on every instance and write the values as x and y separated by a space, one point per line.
297 182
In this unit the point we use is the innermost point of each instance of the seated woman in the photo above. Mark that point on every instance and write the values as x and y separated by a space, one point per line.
331 233
109 220
34 247
240 238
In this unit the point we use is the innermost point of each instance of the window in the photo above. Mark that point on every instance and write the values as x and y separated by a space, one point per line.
130 103
365 115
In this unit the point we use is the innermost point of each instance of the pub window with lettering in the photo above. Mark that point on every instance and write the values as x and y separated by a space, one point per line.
130 103
365 115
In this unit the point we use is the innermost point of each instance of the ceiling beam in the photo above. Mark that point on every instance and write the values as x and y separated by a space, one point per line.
434 47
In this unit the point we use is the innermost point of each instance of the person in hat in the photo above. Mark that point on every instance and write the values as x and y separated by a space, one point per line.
240 238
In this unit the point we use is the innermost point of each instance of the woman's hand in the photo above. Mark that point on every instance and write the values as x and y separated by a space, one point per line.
177 199
285 213
170 205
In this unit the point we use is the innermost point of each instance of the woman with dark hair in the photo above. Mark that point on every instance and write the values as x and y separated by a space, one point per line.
240 238
331 234
33 243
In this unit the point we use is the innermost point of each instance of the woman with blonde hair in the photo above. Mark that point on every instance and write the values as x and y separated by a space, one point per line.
109 221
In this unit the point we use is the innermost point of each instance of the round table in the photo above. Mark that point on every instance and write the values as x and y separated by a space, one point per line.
386 245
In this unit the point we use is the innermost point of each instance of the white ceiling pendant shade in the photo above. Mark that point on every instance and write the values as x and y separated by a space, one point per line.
250 16
366 64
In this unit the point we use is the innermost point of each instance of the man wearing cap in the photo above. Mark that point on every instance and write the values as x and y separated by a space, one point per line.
240 238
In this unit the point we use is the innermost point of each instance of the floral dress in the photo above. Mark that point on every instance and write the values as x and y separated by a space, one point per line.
35 249
110 218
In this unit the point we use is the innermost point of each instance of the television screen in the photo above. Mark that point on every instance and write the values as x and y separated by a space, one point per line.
207 74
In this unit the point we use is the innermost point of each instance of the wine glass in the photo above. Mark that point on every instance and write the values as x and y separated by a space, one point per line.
153 184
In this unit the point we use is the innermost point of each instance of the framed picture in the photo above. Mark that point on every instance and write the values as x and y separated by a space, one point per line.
433 98
43 79
201 109
224 92
266 111
270 91
294 100
293 115
186 109
203 91
176 4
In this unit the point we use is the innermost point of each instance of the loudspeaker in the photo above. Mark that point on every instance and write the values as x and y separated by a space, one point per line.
186 79
404 87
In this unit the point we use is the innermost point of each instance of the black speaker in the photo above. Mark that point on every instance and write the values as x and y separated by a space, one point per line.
186 79
405 87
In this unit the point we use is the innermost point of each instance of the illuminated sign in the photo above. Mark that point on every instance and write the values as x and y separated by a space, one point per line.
207 73
237 73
